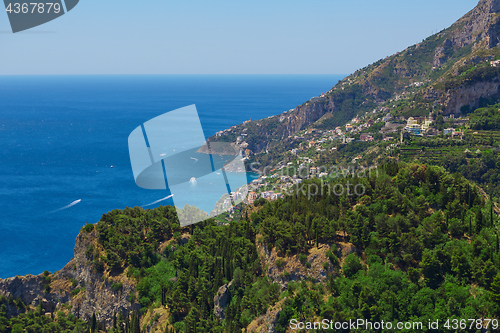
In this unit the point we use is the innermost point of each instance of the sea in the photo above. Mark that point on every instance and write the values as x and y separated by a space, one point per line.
64 157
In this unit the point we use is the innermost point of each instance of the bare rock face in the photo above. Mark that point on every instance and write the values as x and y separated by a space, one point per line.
30 290
221 300
440 55
471 96
307 114
96 293
292 269
266 323
476 24
99 297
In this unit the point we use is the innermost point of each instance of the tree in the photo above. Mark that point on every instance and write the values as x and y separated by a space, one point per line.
479 220
93 323
440 122
351 265
495 288
489 272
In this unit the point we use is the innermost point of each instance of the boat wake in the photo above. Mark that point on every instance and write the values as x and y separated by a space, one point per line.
157 201
66 207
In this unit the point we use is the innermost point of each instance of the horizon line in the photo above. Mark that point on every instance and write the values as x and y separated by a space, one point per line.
189 74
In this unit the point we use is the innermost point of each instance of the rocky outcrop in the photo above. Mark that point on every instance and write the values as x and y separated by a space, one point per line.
284 270
99 296
96 295
307 114
221 300
31 291
476 25
471 95
442 52
267 322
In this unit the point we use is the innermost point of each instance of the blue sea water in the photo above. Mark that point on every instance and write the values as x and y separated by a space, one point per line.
64 138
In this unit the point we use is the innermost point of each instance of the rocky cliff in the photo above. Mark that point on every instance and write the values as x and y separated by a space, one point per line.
77 287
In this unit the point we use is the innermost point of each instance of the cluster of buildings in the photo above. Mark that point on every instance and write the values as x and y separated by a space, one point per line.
268 195
421 125
418 125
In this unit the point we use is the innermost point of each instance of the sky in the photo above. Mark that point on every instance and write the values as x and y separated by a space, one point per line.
223 36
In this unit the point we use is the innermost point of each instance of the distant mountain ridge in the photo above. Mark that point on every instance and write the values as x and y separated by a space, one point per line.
449 72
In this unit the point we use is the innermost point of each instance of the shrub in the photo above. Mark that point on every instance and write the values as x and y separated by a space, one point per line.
352 265
260 202
302 258
90 251
280 262
333 258
98 265
88 228
117 286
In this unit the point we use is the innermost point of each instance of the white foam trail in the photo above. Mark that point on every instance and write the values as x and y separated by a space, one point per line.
195 159
171 195
68 206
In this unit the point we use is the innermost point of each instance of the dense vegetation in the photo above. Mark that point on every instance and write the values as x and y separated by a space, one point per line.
486 118
426 248
186 275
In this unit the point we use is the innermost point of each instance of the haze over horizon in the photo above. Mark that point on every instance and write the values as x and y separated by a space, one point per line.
223 37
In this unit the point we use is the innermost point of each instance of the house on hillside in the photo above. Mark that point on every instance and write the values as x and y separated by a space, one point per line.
366 137
252 196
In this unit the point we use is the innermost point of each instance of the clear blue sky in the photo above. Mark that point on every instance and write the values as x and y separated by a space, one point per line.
223 36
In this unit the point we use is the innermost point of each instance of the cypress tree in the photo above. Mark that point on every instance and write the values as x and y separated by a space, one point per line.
498 244
120 321
470 226
491 213
93 323
137 326
479 220
468 191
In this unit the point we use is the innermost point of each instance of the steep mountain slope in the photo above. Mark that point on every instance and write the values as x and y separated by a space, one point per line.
449 72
